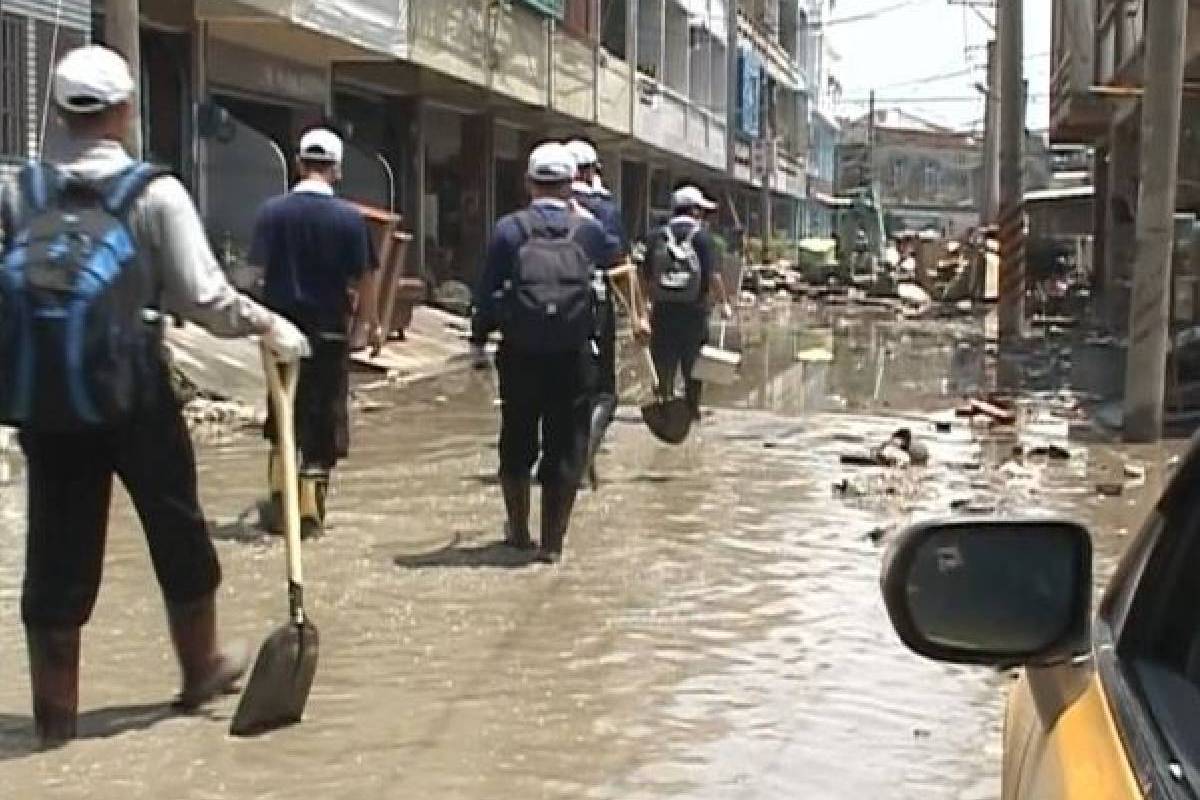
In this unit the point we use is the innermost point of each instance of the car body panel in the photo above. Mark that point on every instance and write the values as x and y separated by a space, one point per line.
1079 756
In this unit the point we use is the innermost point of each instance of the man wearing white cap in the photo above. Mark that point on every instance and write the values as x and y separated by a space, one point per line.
88 413
315 250
590 194
536 289
682 278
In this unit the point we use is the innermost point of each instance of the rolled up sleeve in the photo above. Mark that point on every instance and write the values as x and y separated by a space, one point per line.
193 283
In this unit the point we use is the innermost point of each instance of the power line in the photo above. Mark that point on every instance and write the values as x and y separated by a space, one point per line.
918 100
871 15
958 73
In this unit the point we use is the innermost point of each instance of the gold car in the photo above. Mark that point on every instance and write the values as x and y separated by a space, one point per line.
1108 706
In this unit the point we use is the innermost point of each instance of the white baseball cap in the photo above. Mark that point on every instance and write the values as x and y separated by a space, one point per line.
90 79
585 155
551 162
321 144
691 197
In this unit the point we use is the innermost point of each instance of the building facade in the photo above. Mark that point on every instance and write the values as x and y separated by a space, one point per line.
927 175
440 100
1097 54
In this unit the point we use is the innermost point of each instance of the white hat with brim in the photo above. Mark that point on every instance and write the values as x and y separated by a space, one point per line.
551 162
585 155
691 197
322 145
90 79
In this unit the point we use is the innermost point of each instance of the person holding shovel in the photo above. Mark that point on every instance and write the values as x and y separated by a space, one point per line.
682 278
536 288
315 250
589 192
87 413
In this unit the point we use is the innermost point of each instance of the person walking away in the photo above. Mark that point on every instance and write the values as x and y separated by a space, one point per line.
95 246
317 253
536 288
682 278
589 192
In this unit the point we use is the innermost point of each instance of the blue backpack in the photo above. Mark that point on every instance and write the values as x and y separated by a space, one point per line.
75 346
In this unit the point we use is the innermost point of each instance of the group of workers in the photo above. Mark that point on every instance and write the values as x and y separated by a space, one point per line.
97 248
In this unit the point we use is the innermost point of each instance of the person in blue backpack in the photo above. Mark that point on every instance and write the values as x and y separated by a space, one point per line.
95 246
536 288
682 278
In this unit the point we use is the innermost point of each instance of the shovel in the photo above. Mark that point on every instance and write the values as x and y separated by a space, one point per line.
278 688
668 418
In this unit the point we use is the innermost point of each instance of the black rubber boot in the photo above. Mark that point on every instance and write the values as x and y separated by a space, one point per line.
208 672
54 680
602 416
516 503
557 503
314 490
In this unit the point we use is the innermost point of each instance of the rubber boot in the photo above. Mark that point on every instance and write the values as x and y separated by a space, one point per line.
314 490
516 502
208 672
54 680
602 415
271 516
557 503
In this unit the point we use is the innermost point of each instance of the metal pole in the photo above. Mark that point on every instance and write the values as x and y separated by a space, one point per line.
989 202
1149 321
1012 139
868 176
122 32
765 134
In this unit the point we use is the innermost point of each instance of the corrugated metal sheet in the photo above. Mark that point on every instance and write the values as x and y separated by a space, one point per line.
75 14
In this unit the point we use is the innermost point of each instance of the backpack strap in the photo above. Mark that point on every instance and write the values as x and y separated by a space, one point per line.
124 190
40 184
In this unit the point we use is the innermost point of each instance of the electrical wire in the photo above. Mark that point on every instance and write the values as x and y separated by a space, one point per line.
871 15
45 121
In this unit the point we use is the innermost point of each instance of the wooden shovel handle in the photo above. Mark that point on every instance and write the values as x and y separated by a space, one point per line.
281 388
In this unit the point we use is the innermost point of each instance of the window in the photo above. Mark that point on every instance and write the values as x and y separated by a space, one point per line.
933 180
613 26
13 80
1155 606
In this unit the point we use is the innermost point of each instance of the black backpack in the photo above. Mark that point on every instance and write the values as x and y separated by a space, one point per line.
675 272
75 341
550 305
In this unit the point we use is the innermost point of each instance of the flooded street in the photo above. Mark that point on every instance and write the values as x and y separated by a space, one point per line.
716 632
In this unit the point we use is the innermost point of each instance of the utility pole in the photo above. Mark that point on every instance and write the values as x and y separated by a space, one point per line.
766 133
122 32
868 175
1150 312
989 198
1011 34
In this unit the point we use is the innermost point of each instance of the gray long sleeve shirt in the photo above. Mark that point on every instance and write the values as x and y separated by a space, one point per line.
169 232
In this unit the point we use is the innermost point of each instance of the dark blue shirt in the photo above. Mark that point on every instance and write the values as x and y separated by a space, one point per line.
505 248
605 210
314 248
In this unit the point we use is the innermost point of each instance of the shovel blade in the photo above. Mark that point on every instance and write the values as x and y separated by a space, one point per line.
669 420
278 688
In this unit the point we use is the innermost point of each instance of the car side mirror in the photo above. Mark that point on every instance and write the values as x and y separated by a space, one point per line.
1000 593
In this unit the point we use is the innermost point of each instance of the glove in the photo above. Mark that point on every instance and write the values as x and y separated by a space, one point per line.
726 311
479 356
285 341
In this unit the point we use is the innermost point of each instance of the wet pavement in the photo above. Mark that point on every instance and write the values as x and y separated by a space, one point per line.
716 632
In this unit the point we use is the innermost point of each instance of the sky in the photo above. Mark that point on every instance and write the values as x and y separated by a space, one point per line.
912 49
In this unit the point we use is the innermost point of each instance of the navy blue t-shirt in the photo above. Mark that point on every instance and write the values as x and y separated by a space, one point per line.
314 248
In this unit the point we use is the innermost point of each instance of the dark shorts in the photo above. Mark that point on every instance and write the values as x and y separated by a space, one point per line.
70 488
679 333
322 409
547 408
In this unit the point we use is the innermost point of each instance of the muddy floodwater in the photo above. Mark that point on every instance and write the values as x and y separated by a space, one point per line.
716 631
